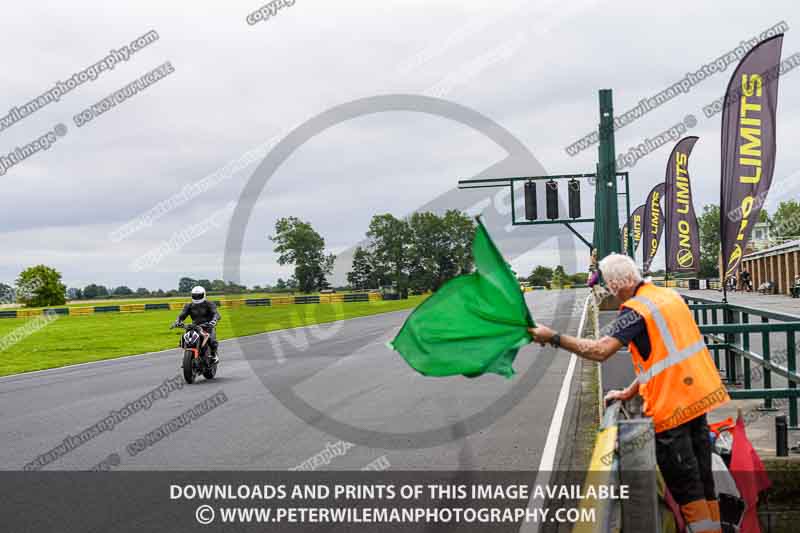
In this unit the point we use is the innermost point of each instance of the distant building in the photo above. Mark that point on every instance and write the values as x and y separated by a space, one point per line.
760 239
779 264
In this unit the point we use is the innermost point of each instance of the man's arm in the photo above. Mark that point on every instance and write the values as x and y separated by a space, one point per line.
593 350
626 394
217 316
182 316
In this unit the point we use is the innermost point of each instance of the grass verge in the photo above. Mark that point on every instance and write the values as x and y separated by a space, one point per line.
71 340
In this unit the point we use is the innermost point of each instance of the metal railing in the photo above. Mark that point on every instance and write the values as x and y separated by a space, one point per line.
727 329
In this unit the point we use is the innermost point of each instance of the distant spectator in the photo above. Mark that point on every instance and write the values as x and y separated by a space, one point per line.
795 290
745 282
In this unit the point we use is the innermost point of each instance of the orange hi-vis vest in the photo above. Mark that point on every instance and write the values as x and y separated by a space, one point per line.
679 381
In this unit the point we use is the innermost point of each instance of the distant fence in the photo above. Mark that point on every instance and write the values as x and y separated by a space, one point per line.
689 283
225 304
545 288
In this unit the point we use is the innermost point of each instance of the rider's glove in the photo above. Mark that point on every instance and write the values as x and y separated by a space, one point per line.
213 323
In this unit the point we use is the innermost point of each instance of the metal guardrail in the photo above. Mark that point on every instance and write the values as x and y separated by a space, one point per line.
727 328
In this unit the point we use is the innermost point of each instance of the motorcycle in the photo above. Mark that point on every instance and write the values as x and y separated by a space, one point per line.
196 352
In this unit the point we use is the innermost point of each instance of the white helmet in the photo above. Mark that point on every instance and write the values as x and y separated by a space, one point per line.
198 295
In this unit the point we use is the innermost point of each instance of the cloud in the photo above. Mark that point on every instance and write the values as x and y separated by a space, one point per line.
236 86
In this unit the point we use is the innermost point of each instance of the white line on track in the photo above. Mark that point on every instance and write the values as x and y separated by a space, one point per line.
548 460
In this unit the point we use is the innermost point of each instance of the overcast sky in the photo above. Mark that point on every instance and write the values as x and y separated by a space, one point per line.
532 67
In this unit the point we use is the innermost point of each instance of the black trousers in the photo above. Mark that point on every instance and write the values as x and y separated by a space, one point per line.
212 339
684 457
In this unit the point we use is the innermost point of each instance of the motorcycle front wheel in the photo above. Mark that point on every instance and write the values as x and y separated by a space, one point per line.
188 366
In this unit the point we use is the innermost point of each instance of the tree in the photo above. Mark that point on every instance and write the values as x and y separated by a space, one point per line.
217 285
141 291
460 230
786 219
428 261
74 294
540 276
40 286
708 224
299 244
185 285
7 295
92 291
441 248
122 290
234 288
361 271
579 278
280 284
206 284
559 277
389 243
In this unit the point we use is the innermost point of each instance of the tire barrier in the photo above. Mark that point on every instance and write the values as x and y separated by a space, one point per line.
356 297
131 308
258 301
306 299
363 297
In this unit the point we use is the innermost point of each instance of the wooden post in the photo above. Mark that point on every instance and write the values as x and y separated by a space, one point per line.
773 271
771 261
795 255
757 273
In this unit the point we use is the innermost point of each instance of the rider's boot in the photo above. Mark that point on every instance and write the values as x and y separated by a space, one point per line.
214 356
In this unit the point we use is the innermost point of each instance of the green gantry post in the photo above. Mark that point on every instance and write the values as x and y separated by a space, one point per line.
606 225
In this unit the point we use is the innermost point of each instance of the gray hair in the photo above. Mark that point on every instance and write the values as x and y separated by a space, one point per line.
619 272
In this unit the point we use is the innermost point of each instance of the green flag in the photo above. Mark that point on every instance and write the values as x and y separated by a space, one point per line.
473 324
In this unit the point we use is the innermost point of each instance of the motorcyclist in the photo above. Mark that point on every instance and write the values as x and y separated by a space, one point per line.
203 311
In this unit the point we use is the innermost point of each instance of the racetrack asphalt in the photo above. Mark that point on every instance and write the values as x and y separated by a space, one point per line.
343 370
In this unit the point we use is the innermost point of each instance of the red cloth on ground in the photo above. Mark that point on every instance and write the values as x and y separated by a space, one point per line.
751 478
